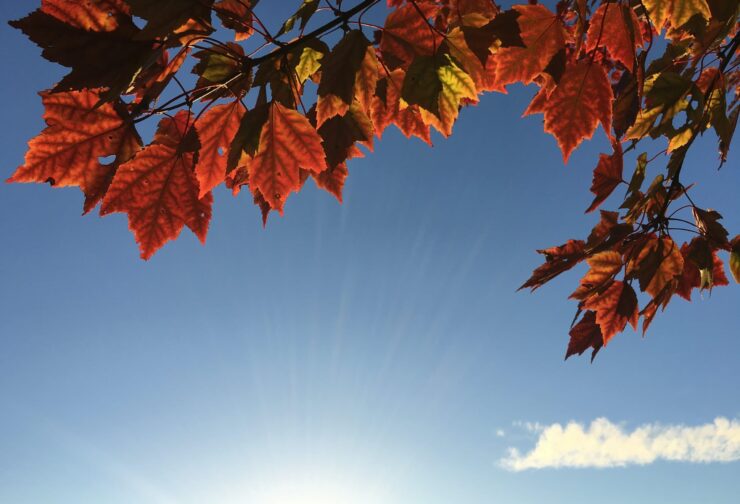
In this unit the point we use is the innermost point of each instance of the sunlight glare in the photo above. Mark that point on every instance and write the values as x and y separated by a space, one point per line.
318 489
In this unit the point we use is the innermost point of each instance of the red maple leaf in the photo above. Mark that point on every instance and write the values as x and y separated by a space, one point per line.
332 180
159 191
77 135
581 100
98 15
407 34
216 129
543 36
607 176
614 307
617 28
387 110
288 142
236 15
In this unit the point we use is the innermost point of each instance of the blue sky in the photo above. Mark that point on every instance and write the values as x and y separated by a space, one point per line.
375 351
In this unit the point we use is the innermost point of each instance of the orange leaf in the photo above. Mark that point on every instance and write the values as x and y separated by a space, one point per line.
288 142
614 307
582 100
407 34
557 260
661 300
332 180
658 262
98 182
386 110
150 83
690 277
99 16
366 80
236 15
352 59
543 36
607 176
604 266
461 11
616 27
216 129
159 192
78 134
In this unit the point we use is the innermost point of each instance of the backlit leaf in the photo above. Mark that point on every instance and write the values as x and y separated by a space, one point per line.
216 129
581 101
77 135
438 85
91 15
288 142
603 267
236 15
678 12
407 34
159 192
557 260
543 36
607 176
658 262
345 70
332 180
386 109
614 307
616 27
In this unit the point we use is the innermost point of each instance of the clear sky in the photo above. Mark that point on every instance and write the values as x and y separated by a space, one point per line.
370 352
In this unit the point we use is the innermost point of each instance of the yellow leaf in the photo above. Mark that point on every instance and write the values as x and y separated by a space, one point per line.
456 86
659 11
677 11
308 64
683 10
643 123
680 139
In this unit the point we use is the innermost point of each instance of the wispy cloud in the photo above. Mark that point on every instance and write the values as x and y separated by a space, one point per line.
605 444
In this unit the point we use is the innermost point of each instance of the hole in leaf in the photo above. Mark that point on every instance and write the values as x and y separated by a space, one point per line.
106 159
139 22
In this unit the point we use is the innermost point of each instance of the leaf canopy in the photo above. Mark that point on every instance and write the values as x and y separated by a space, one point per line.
272 107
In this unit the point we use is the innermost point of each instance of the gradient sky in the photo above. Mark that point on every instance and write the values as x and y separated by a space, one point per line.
370 352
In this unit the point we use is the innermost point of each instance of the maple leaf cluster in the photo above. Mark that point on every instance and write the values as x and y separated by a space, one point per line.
267 110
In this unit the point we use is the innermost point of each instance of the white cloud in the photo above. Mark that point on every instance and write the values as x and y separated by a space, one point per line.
604 444
500 433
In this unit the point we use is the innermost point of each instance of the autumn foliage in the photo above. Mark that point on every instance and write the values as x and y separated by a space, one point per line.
263 109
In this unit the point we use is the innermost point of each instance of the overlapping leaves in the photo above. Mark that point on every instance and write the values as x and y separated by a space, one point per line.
271 108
